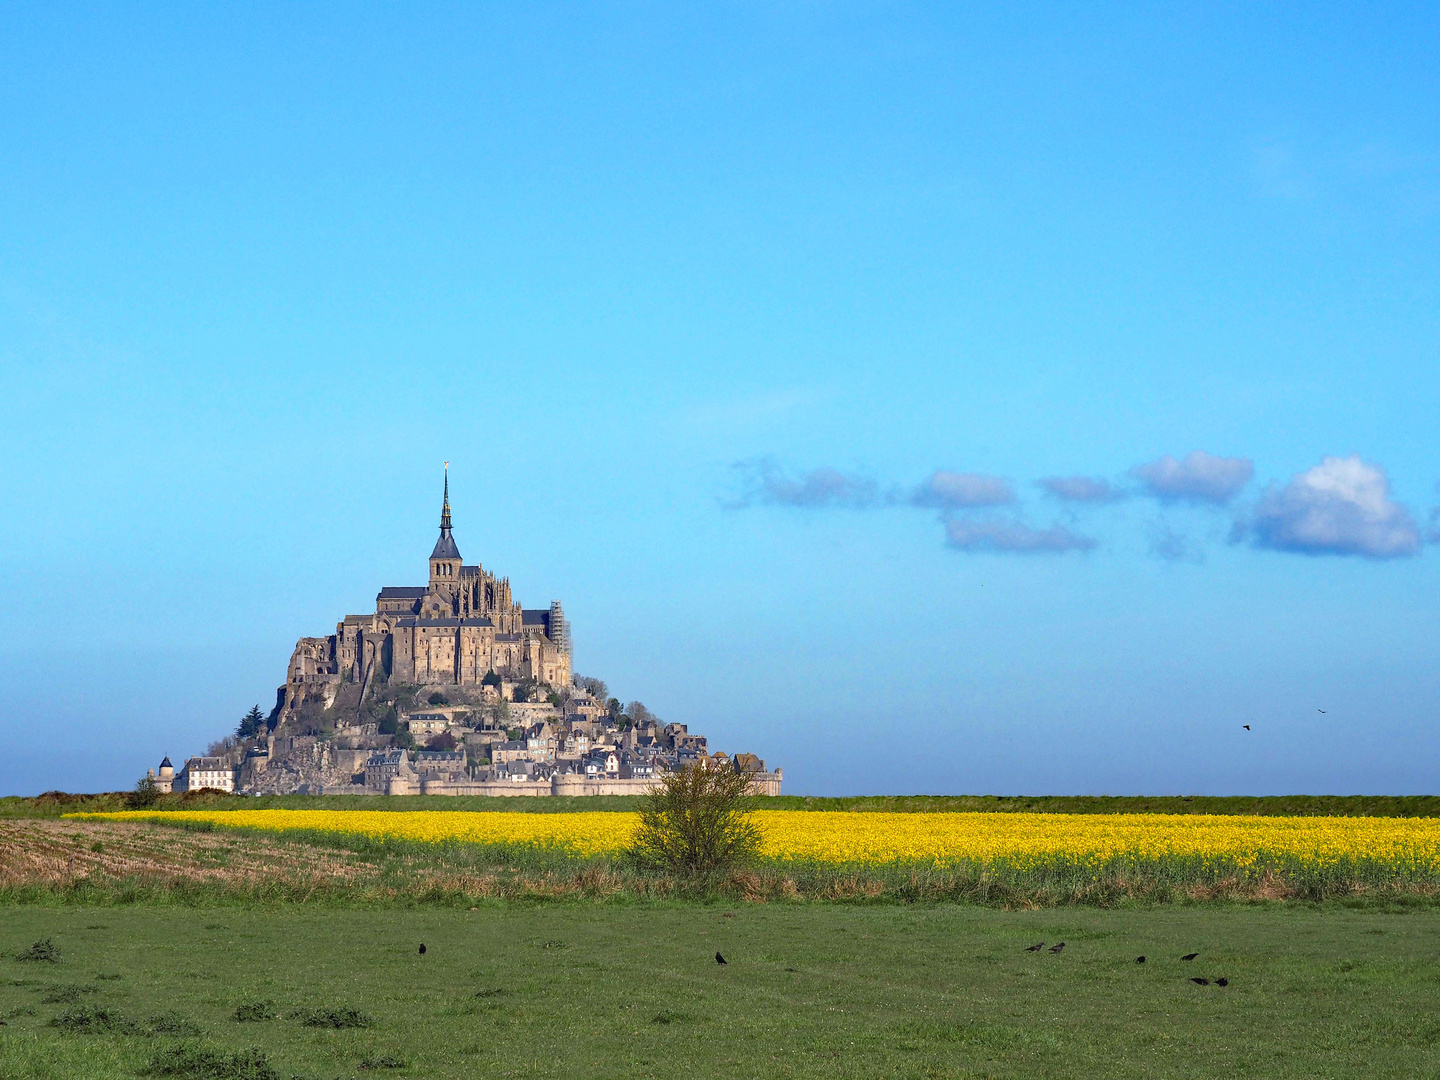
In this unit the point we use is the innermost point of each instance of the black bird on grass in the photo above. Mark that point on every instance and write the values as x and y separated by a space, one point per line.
1057 948
1222 982
1139 959
1036 947
422 948
1190 956
1198 981
720 959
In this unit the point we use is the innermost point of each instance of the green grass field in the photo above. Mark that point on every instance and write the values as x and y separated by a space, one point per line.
630 990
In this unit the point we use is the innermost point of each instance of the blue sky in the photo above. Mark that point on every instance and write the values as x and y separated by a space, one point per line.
753 333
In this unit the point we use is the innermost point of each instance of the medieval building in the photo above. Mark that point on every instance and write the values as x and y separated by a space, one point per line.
456 630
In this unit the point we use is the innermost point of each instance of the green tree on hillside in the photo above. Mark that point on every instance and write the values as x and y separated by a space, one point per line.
250 723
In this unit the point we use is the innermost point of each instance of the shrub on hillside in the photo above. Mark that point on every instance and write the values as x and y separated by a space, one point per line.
144 796
696 823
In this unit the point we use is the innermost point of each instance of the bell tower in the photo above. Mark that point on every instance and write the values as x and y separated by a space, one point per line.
445 559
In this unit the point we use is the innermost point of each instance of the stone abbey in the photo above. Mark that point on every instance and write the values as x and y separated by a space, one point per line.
455 631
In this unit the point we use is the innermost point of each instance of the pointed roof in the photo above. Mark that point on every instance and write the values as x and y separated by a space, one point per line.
445 547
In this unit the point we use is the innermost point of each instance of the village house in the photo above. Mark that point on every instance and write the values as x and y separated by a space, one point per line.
205 772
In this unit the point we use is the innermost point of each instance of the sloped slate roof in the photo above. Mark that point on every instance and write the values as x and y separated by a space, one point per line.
445 547
402 592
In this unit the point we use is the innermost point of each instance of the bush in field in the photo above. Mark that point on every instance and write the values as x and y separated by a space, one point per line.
696 823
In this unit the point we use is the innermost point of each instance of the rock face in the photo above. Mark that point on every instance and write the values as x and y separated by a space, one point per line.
302 765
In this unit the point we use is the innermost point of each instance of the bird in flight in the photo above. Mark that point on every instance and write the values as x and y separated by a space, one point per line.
1190 956
720 959
1319 710
1036 947
1245 726
1139 959
422 948
1057 948
1198 981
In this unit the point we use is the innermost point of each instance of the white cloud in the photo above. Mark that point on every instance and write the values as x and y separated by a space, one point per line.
957 491
1340 507
1199 477
1081 489
1012 536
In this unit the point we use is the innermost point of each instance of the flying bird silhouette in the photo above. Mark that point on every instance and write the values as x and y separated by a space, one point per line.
1245 726
1190 956
1057 948
422 948
1036 947
1198 981
720 959
1319 710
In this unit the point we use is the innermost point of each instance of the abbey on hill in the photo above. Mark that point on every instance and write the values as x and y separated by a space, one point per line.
450 688
456 630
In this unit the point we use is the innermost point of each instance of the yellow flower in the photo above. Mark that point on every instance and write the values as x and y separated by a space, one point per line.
1019 840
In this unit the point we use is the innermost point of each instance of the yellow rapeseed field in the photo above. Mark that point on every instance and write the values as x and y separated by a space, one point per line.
940 839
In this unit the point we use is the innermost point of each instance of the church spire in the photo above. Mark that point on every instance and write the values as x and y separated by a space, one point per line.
445 548
445 509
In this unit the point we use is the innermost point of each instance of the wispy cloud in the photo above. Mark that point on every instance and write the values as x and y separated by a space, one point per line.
1081 489
1167 544
1012 537
1340 507
948 490
763 481
1197 478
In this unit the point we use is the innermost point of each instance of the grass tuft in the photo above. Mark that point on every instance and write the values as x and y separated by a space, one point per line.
253 1011
334 1016
66 995
94 1019
172 1023
196 1061
44 951
383 1061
